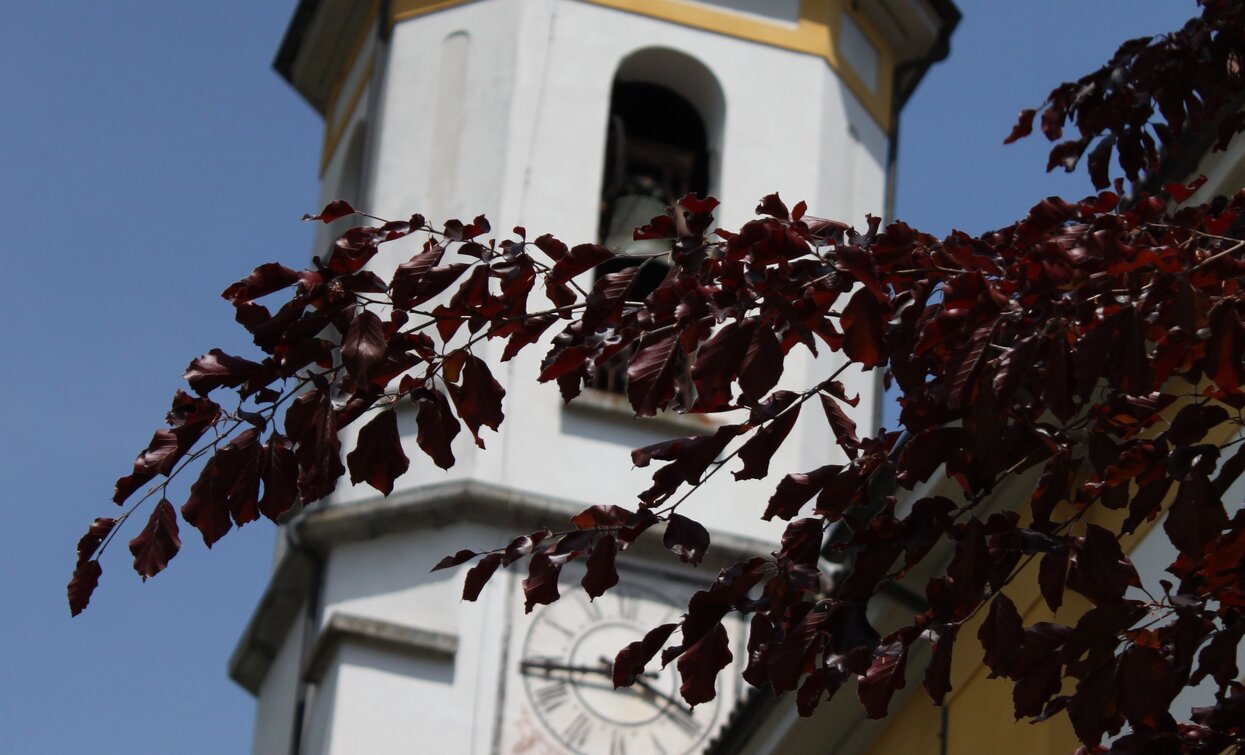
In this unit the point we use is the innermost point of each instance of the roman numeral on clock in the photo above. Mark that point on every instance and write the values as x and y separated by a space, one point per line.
550 697
577 733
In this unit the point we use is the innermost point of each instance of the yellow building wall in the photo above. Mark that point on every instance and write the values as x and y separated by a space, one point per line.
980 715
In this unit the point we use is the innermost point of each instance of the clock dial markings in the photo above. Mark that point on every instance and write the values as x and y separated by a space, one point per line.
551 697
576 734
567 662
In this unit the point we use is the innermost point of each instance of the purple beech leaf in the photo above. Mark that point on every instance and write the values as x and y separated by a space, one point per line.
377 458
601 574
1001 635
841 425
478 576
84 581
651 373
95 535
937 681
521 546
762 365
884 677
686 538
217 369
541 585
264 280
761 447
700 664
479 398
334 210
158 543
600 516
279 473
461 557
630 662
363 349
437 426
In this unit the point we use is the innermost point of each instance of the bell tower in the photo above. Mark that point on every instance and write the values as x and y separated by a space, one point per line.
579 118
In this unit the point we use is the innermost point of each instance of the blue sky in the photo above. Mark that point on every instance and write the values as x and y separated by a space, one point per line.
149 156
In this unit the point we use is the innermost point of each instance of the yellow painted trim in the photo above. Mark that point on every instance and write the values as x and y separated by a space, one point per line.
400 10
815 33
334 134
334 122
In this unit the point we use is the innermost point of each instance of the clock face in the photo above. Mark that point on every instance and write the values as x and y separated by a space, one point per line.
567 665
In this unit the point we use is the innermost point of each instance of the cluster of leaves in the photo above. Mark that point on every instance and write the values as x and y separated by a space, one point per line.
1191 77
1091 353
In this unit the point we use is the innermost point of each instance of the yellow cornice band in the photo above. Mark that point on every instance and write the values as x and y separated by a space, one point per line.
814 34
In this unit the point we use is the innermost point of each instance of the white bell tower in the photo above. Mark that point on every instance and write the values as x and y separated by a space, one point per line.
570 117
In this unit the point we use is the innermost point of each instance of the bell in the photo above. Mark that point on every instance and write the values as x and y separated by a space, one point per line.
630 211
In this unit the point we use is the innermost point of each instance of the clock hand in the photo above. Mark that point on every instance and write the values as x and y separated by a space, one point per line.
644 684
547 665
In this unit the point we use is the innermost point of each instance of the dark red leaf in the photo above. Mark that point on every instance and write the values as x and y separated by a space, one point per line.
95 535
689 458
461 557
158 543
606 299
864 327
363 349
580 259
794 655
884 677
311 425
216 369
82 584
479 398
760 448
762 365
1218 658
262 281
478 576
541 585
1147 685
1052 575
227 488
1196 516
937 680
1001 635
1023 127
190 418
377 458
332 211
801 541
1094 709
601 574
843 427
521 546
651 373
773 206
280 477
437 426
686 538
630 662
1100 570
825 680
796 490
699 666
600 516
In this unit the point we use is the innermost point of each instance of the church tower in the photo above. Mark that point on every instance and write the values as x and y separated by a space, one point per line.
581 118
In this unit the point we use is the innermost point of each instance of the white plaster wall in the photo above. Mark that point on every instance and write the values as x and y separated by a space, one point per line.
274 710
394 703
534 116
